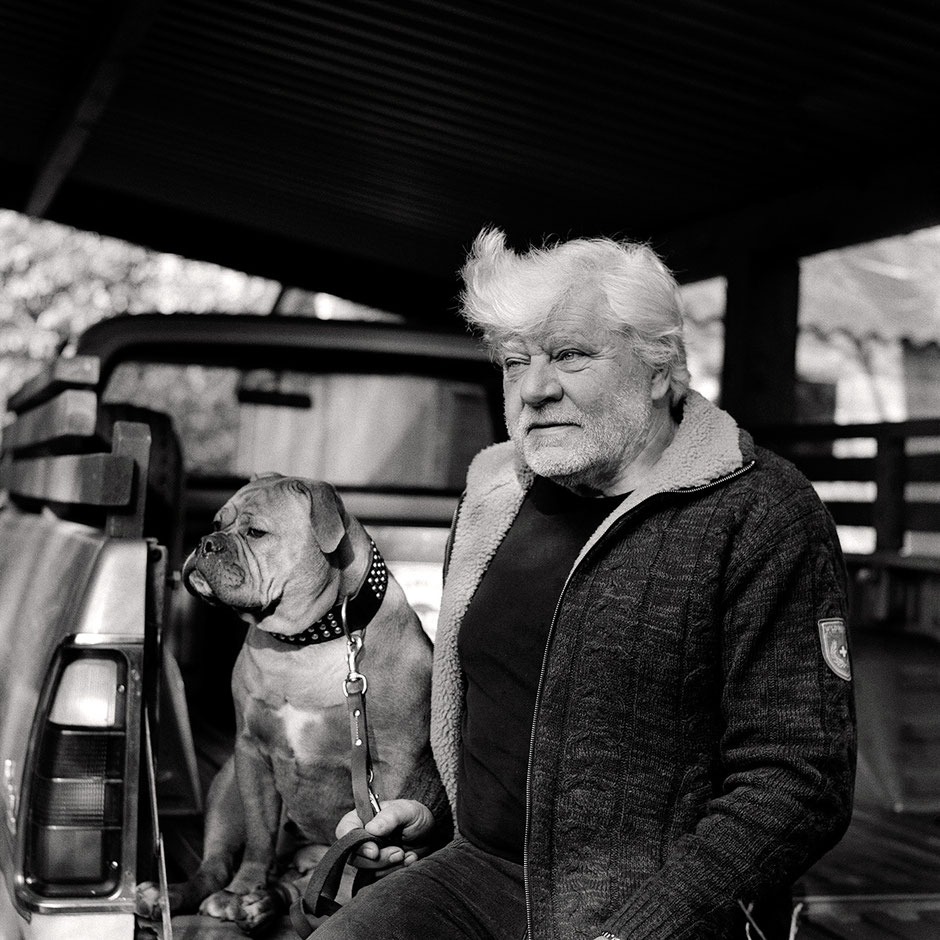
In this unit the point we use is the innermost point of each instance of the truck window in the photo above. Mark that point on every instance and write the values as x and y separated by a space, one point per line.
365 430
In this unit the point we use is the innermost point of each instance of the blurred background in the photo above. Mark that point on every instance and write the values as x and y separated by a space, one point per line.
867 346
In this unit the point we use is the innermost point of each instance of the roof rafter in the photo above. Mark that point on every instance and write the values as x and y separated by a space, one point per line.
74 124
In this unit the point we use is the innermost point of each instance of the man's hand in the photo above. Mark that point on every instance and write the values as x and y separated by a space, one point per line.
406 826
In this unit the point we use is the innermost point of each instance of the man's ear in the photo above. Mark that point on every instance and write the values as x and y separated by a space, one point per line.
659 387
327 515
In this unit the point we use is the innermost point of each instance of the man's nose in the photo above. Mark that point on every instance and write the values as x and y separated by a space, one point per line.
540 383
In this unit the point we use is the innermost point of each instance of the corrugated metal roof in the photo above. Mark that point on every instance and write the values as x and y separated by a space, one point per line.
358 146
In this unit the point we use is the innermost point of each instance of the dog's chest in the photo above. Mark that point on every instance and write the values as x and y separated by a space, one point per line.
292 709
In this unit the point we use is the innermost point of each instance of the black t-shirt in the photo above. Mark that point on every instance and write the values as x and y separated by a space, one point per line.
501 645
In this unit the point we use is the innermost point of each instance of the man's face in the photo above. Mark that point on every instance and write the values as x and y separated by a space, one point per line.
578 403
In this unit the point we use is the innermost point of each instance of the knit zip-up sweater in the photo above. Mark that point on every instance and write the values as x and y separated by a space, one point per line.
691 746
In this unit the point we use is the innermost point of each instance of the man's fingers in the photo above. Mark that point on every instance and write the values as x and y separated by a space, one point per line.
408 817
370 856
398 861
369 850
402 822
394 815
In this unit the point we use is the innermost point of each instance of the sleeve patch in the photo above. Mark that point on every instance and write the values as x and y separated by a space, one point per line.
835 647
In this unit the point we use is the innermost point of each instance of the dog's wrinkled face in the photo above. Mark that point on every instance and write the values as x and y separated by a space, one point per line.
273 549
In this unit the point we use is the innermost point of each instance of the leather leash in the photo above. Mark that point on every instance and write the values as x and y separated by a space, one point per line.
319 900
355 686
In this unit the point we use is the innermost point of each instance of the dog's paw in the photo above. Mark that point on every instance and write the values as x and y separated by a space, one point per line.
258 910
182 898
222 905
147 900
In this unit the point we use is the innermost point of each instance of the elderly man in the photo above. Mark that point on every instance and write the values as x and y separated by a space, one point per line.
642 713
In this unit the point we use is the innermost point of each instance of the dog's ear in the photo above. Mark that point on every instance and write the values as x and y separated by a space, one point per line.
327 515
264 474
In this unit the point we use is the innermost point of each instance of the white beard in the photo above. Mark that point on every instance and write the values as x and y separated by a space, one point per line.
597 451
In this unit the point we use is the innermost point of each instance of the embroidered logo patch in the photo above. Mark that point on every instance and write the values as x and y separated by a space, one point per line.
835 647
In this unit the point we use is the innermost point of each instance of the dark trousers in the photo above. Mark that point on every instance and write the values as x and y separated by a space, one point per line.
463 893
458 892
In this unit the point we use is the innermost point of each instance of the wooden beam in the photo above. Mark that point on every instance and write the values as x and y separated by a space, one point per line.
74 479
414 293
859 206
76 121
71 414
759 372
61 373
132 440
890 476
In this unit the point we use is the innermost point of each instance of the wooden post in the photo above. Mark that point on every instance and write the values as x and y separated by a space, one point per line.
890 478
759 372
131 439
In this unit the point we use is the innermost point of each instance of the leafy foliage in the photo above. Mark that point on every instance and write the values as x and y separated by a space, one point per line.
56 281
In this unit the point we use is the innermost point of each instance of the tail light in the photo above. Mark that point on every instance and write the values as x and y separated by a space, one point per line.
75 790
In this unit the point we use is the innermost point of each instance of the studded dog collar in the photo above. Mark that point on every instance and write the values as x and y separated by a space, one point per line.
360 608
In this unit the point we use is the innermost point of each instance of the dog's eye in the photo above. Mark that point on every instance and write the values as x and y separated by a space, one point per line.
256 533
216 525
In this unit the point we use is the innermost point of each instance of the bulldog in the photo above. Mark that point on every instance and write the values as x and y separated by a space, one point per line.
285 555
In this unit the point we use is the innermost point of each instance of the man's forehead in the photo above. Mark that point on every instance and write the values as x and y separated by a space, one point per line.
563 325
577 323
585 301
580 311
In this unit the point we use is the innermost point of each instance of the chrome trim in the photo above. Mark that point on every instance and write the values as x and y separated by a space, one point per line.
92 640
10 793
116 599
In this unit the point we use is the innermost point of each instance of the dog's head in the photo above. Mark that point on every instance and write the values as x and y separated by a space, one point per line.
276 554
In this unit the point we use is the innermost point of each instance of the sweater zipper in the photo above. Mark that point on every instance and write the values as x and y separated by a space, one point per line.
617 524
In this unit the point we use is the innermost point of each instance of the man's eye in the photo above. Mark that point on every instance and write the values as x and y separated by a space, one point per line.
569 355
256 533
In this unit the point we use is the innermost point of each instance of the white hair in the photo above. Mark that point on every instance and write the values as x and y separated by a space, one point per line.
508 294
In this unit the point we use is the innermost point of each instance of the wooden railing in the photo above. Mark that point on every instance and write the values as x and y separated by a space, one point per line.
906 452
895 587
893 603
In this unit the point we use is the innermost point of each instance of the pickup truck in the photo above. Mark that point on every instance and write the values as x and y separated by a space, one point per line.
115 709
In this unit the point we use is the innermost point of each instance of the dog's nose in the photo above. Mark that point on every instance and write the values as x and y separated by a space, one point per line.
211 545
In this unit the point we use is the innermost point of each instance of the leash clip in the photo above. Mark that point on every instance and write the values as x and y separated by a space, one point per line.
353 648
373 797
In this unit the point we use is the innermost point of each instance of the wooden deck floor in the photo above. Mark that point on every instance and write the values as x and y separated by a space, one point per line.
882 881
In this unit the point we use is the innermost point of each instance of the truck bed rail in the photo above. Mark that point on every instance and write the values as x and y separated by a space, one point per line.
62 451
